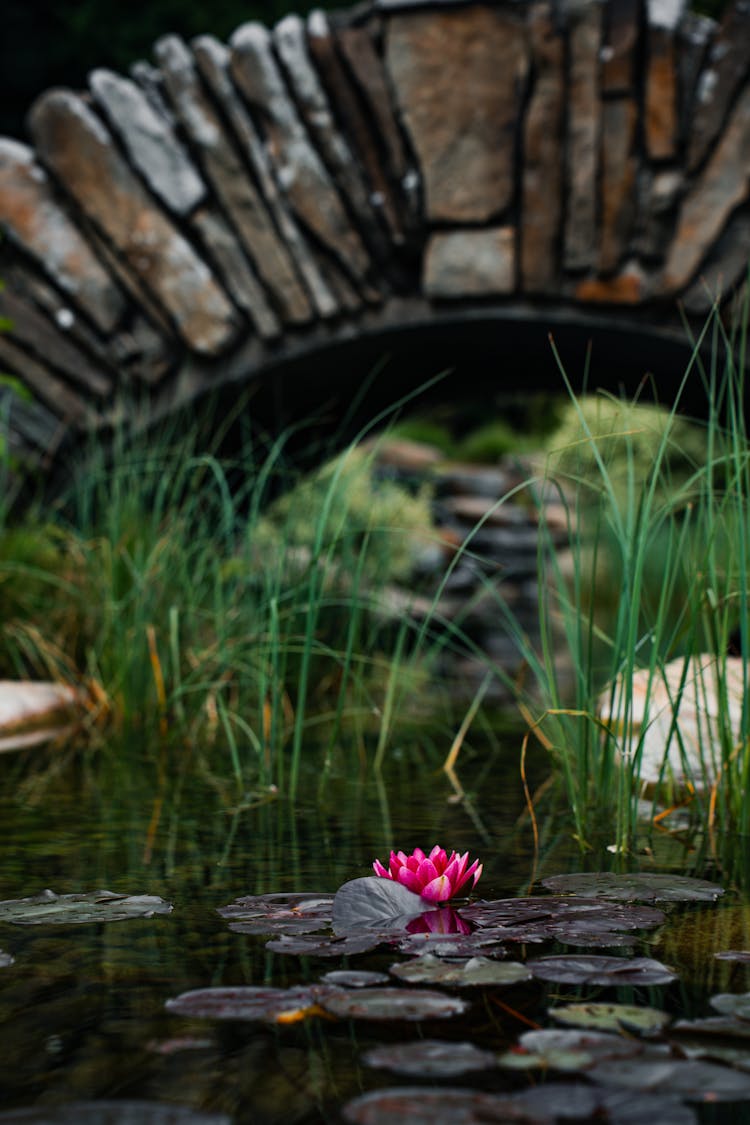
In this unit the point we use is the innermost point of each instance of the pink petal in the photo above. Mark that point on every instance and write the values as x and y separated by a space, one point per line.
380 870
427 872
439 890
418 854
410 880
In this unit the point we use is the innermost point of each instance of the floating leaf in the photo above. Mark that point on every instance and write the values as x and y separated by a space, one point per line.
567 1050
735 1004
373 903
313 945
592 969
418 1106
634 888
450 945
179 1043
723 1026
576 1103
268 1005
690 1078
393 1004
541 917
733 955
477 971
611 1017
112 1113
279 913
49 908
430 1058
5 960
354 978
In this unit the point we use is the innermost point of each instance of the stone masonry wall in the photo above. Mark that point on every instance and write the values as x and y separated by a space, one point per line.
182 226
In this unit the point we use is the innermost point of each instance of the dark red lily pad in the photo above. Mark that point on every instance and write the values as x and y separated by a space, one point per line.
373 903
279 913
112 1113
634 888
268 1005
578 1103
597 970
544 917
569 1050
48 908
430 1058
736 1004
354 978
693 1079
449 1106
312 945
393 1004
480 942
723 1027
476 972
611 1017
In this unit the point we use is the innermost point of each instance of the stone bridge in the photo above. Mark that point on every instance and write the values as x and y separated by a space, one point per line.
422 178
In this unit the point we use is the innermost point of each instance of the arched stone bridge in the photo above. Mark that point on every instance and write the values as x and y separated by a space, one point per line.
406 169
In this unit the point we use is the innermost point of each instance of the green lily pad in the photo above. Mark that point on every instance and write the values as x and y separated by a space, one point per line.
354 978
477 971
607 971
570 1050
112 1113
735 1004
430 1058
611 1017
634 888
51 909
393 1004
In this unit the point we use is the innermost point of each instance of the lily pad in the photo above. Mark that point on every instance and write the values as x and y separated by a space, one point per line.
450 945
735 1004
112 1113
430 1058
544 917
723 1027
5 960
611 1017
267 1005
607 971
733 955
393 1004
577 1103
476 972
567 1049
634 888
279 913
314 945
689 1078
416 1105
49 908
373 903
354 978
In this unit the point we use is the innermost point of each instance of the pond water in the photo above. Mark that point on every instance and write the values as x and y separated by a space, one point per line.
82 1007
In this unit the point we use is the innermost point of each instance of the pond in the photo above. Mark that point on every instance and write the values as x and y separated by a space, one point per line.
83 1008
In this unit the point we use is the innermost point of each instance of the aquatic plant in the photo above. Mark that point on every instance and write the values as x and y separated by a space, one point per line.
435 877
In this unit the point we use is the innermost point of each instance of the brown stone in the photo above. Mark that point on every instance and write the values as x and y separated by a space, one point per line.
75 143
724 71
618 171
694 35
213 58
35 220
583 138
724 267
458 76
722 186
235 190
661 114
301 173
541 184
657 194
622 28
626 288
470 263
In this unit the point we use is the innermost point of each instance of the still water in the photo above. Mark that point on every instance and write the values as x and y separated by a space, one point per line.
82 1011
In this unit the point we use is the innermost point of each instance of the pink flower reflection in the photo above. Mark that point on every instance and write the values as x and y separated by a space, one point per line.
444 920
436 877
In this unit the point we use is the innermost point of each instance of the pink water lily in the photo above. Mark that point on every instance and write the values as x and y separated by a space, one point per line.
436 877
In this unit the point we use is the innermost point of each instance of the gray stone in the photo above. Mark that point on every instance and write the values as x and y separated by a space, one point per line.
723 184
62 400
152 146
725 69
140 353
35 220
470 263
724 267
542 179
661 123
213 58
694 34
666 14
658 194
622 28
76 145
300 172
583 138
235 190
458 77
618 177
29 429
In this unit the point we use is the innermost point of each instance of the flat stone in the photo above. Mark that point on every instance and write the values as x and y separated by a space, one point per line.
470 263
35 330
35 220
213 60
628 287
723 184
583 138
24 704
542 179
694 35
223 168
661 123
665 14
150 141
48 388
458 77
29 428
140 352
658 194
622 29
724 71
724 267
300 171
618 177
76 145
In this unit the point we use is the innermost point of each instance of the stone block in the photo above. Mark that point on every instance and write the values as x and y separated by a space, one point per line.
470 263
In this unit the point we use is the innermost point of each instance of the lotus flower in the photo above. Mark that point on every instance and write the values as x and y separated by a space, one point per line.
435 877
445 920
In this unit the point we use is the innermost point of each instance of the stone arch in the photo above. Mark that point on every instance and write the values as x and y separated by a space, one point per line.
405 167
